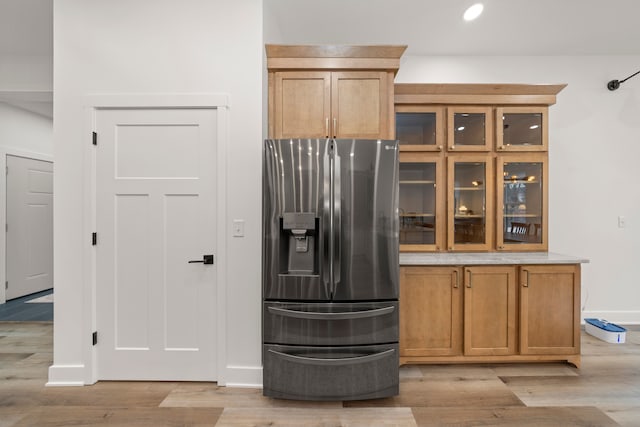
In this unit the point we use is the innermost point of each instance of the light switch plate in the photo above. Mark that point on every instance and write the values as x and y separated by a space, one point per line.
238 228
622 222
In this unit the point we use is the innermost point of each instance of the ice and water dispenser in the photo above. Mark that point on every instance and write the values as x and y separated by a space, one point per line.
299 240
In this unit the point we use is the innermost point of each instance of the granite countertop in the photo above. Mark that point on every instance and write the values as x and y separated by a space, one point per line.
487 258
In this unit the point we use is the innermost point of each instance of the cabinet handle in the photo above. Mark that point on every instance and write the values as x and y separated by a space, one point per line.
439 147
326 126
335 126
453 147
525 283
469 281
456 281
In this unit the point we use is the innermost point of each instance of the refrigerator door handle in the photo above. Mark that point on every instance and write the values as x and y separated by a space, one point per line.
345 315
337 222
333 361
327 219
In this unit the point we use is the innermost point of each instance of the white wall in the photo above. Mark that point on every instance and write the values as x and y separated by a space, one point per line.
594 158
165 46
22 133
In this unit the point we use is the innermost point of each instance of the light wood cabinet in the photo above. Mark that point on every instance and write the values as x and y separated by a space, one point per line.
470 212
506 128
550 309
497 313
431 311
318 104
332 91
490 310
522 200
422 202
469 128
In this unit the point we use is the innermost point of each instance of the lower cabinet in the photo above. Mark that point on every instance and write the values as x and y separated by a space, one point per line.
496 313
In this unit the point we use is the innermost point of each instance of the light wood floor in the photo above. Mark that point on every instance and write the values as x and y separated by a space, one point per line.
604 392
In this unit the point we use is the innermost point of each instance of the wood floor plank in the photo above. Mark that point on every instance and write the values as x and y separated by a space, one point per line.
627 416
576 391
297 417
447 392
521 417
229 397
62 416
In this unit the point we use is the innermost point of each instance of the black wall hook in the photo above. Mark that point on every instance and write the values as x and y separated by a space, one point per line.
615 84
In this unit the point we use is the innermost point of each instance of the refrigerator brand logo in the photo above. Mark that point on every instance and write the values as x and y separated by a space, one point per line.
389 147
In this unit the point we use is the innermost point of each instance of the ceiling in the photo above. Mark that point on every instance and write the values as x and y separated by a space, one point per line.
428 27
436 27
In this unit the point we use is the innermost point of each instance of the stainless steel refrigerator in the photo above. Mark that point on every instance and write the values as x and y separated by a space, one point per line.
330 269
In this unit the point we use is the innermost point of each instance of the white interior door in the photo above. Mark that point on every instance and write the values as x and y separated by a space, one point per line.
156 211
29 226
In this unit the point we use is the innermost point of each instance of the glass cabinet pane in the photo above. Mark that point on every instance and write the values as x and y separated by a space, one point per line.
469 202
420 129
522 129
417 203
469 129
522 202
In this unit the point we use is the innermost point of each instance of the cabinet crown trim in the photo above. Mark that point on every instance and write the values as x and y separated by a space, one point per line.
476 93
334 57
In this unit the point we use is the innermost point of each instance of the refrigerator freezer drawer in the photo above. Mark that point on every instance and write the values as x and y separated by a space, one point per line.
330 373
330 323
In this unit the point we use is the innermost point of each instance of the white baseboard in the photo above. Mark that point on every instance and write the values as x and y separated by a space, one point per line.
242 376
66 375
621 317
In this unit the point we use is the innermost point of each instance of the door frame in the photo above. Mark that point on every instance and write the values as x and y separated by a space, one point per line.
4 152
92 105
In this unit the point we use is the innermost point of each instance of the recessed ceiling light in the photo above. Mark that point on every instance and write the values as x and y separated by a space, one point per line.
473 12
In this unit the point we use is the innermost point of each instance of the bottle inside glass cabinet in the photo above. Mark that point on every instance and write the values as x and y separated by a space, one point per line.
417 203
522 202
470 195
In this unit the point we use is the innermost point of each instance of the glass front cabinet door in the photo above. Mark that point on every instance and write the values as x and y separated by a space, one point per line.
522 202
470 202
469 129
421 205
419 128
521 129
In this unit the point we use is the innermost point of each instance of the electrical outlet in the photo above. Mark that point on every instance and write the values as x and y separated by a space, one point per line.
238 228
622 222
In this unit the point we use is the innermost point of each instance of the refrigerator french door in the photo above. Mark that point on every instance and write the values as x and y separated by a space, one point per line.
330 269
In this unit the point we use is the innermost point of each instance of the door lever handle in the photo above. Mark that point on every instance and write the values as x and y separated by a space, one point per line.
206 259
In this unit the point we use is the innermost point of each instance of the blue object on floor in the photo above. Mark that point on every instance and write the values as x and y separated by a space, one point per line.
609 332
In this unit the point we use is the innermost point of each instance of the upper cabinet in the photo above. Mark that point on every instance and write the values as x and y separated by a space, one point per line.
493 142
332 91
469 128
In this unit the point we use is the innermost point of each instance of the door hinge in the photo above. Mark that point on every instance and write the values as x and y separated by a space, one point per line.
94 139
6 170
94 239
6 284
94 337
